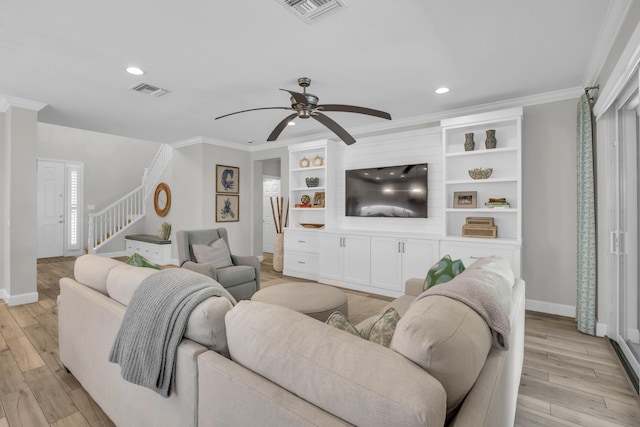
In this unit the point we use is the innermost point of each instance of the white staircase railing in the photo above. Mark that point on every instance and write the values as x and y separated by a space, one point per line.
116 218
129 209
154 171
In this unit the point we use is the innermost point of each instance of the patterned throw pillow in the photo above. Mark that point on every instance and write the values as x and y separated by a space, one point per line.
337 320
380 331
140 261
443 271
383 328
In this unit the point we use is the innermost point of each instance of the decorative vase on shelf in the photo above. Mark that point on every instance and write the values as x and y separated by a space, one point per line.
469 143
491 139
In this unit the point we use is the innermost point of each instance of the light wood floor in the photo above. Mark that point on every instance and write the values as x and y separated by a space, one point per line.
568 379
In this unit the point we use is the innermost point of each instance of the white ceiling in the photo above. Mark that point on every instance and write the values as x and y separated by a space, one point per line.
217 57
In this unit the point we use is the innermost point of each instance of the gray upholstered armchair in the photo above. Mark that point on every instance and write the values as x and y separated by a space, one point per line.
203 251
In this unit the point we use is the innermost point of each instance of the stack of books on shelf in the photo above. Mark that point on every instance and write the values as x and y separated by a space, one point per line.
497 203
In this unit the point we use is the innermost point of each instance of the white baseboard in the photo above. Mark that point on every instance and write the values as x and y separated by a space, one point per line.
551 308
601 329
19 299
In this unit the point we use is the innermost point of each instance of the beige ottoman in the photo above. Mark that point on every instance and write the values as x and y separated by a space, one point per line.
312 299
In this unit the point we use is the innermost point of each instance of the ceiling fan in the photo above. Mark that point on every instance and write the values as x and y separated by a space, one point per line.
306 105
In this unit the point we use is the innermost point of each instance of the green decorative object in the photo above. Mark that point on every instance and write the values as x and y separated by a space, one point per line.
140 261
164 231
443 271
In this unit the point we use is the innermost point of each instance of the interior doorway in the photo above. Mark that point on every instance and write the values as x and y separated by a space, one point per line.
59 208
270 188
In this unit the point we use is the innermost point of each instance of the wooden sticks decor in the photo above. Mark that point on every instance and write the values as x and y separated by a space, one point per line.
279 208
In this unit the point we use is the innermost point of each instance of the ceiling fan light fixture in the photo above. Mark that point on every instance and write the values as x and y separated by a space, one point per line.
136 71
442 90
291 123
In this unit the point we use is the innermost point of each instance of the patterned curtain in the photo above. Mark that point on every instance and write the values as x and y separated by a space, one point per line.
586 300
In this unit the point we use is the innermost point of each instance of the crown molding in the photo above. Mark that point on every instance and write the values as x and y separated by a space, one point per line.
400 125
625 69
7 101
613 20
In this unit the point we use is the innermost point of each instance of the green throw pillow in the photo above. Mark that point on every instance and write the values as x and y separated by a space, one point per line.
337 320
443 271
140 261
380 331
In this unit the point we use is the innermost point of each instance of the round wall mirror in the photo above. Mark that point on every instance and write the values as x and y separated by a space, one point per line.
162 199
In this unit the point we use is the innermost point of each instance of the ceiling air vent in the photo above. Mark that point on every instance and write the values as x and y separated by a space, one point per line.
149 89
310 10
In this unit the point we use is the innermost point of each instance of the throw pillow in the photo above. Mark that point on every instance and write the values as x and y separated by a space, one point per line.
140 261
383 328
337 320
380 331
443 271
217 254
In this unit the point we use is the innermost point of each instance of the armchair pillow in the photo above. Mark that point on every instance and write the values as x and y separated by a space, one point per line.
217 254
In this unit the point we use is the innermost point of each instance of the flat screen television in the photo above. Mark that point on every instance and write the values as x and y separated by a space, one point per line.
390 191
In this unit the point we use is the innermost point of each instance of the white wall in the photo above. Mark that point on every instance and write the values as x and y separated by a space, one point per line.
421 146
549 189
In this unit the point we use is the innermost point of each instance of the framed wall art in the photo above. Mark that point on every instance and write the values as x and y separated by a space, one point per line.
227 208
465 199
227 179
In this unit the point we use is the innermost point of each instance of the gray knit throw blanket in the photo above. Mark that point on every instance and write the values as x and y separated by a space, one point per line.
154 324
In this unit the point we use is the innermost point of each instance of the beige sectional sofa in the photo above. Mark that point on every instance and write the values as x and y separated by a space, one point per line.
261 364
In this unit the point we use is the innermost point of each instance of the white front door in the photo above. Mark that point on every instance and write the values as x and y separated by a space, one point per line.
270 188
50 209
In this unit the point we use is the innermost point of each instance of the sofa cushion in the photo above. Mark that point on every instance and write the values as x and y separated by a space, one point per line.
235 275
443 271
340 373
217 254
378 330
446 338
93 270
120 280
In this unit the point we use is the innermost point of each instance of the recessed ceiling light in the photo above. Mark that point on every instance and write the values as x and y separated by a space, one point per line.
291 123
135 71
442 90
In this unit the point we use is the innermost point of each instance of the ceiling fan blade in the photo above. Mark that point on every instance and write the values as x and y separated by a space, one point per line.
278 130
300 98
254 109
334 127
355 109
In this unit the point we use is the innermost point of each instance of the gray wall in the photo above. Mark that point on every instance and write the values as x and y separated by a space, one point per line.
3 218
113 165
19 199
549 202
193 191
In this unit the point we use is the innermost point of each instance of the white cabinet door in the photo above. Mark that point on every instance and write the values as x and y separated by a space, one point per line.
386 263
357 261
331 256
417 257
